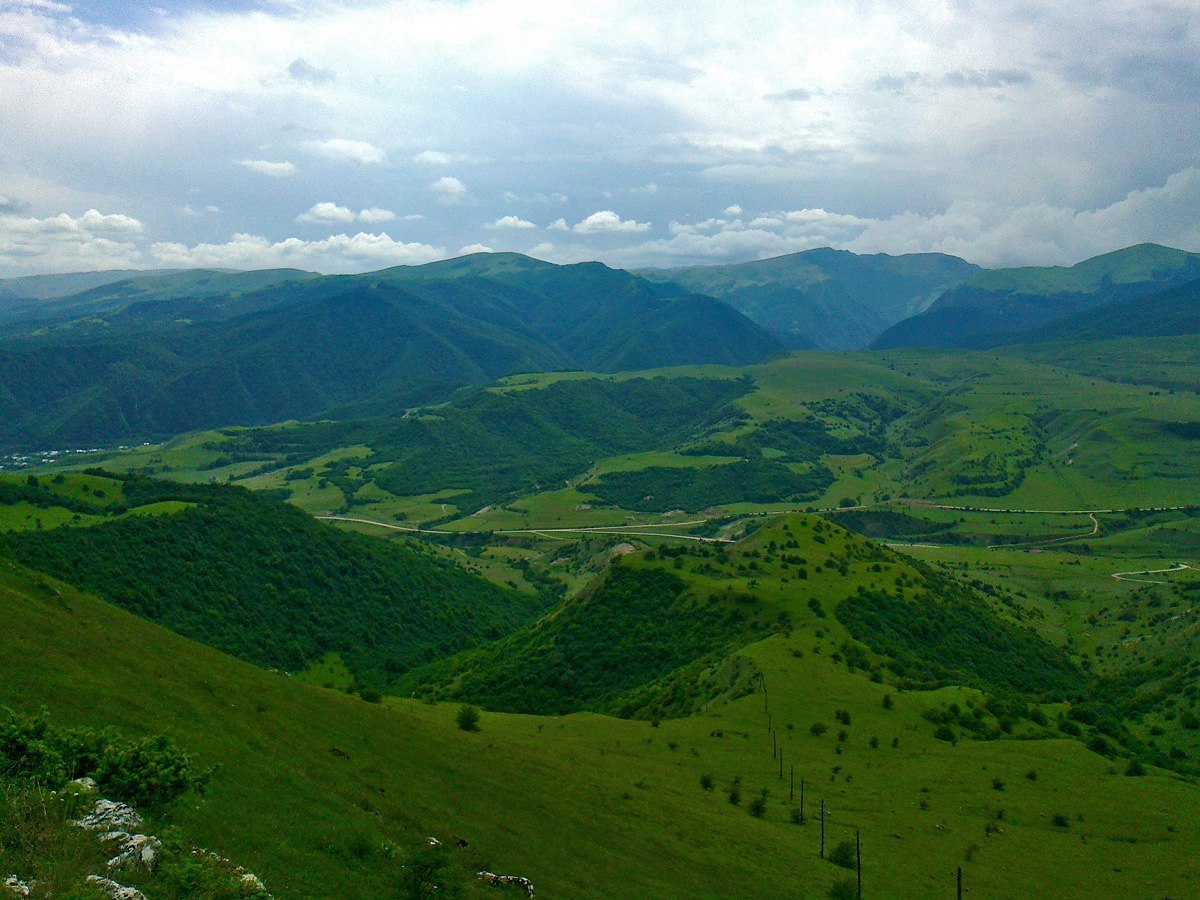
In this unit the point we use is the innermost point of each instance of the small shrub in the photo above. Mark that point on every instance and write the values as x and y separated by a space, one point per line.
846 889
997 784
735 795
887 702
1060 821
706 782
1135 768
468 717
1031 774
843 855
946 733
758 807
818 728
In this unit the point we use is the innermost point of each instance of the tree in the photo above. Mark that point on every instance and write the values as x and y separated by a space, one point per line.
468 717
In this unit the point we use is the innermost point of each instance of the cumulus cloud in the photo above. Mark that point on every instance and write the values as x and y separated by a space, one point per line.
65 243
510 222
266 167
559 224
449 190
343 150
441 158
733 210
339 253
326 213
608 222
475 248
302 70
376 216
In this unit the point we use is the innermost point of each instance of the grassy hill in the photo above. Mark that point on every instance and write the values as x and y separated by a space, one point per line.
324 795
1000 306
254 577
827 299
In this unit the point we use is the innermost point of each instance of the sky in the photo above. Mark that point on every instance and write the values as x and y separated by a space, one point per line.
340 136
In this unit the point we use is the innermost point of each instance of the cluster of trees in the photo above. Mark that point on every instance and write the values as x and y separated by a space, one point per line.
264 581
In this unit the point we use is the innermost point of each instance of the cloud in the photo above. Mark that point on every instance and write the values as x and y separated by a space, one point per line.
733 210
559 224
190 211
449 190
608 222
266 167
343 150
794 95
440 158
64 243
990 78
510 222
377 216
302 70
326 213
475 248
339 253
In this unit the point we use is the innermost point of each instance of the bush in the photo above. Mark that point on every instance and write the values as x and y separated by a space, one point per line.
706 782
468 717
846 889
1135 768
758 808
1060 821
946 733
818 728
844 855
147 772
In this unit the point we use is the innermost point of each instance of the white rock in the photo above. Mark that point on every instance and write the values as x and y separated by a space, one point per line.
115 891
17 887
109 815
134 850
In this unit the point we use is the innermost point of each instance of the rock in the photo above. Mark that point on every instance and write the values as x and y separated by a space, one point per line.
109 815
113 890
16 887
253 882
505 880
134 850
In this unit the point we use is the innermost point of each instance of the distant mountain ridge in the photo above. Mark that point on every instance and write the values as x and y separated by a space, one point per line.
155 356
824 298
1010 305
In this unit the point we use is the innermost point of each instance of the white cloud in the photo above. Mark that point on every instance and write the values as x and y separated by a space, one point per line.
449 190
376 216
433 158
608 222
64 243
510 197
475 248
326 213
510 222
344 150
559 224
339 253
734 210
266 167
190 211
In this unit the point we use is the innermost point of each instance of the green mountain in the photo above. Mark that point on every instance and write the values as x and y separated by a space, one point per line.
1000 306
255 577
37 300
1173 312
827 299
146 363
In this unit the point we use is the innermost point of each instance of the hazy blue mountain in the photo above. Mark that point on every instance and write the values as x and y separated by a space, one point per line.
830 299
1002 305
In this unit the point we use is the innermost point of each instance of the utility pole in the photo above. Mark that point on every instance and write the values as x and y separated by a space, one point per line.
822 828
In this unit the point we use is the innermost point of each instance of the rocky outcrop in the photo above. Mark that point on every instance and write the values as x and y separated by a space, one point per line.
506 881
15 887
114 891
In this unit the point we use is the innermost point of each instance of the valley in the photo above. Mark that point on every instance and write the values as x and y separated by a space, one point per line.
622 628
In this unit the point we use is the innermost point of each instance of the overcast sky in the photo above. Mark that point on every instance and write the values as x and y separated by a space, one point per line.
350 136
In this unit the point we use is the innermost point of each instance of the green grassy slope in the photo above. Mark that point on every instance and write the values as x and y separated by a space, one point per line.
592 806
264 581
998 306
